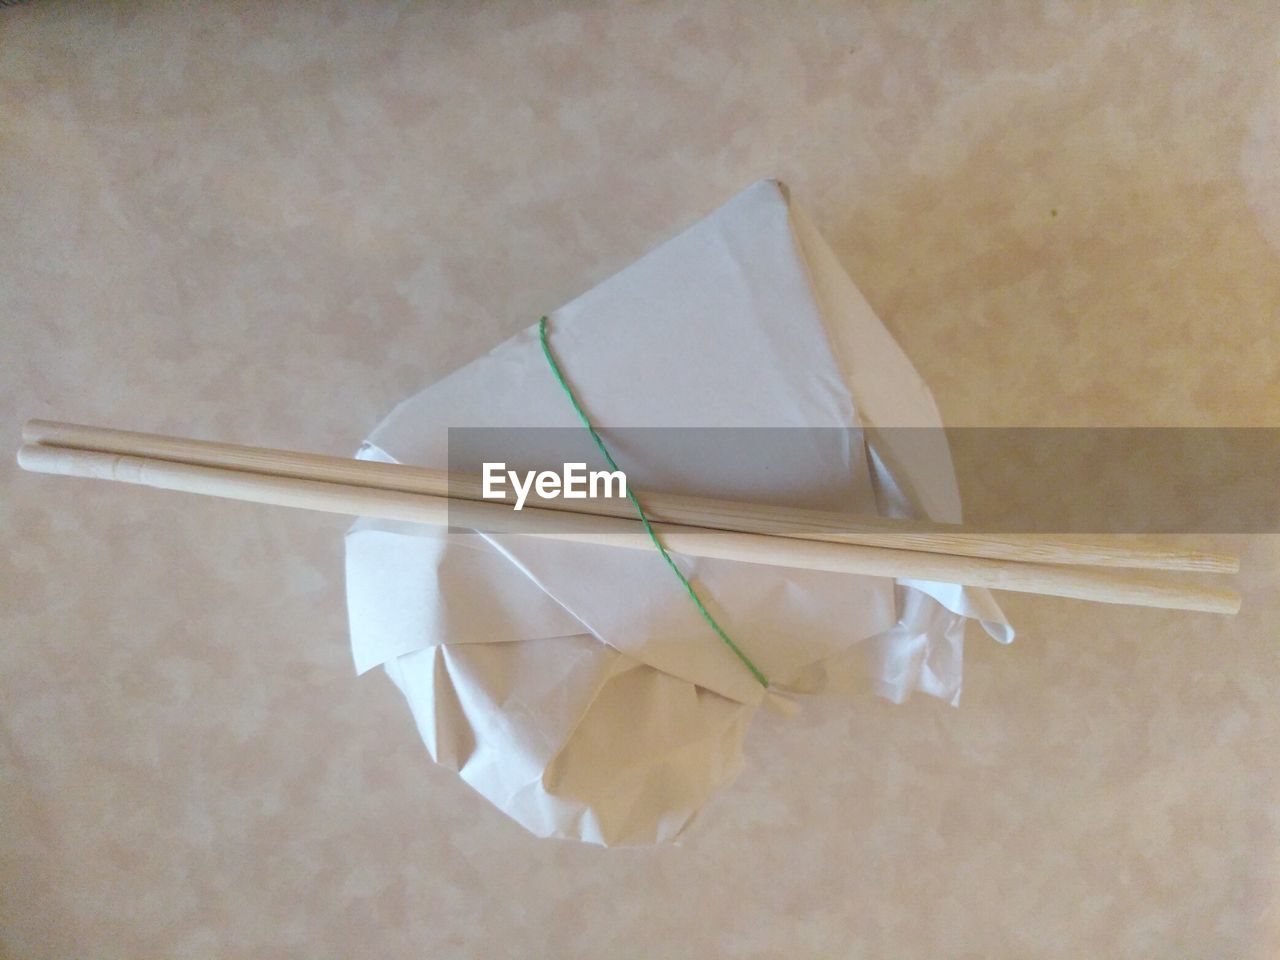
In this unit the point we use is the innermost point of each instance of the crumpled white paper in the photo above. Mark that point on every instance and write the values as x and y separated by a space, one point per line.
576 687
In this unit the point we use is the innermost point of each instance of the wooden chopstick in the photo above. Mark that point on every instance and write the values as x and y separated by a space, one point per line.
669 508
790 552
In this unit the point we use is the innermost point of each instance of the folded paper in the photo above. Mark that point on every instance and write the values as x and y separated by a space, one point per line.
575 686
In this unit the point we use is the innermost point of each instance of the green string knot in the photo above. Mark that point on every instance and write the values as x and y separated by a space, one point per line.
644 518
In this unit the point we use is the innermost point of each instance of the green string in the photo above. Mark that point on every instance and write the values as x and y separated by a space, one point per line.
644 519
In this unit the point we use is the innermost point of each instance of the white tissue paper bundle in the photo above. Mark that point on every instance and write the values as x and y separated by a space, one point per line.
576 686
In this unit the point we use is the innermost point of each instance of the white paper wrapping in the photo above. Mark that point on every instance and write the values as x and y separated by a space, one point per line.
576 687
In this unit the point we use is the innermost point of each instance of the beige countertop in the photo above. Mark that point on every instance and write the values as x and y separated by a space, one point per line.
270 222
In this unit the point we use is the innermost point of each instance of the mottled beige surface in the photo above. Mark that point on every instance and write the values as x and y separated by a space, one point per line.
269 222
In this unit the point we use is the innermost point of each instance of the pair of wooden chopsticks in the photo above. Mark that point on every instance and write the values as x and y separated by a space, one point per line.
752 533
